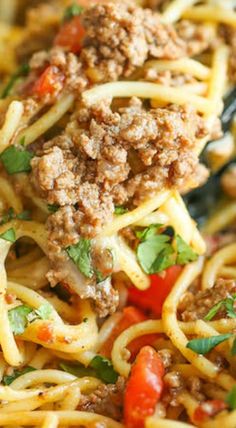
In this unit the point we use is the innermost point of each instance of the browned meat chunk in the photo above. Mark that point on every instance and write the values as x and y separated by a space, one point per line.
229 34
196 305
96 168
121 37
107 400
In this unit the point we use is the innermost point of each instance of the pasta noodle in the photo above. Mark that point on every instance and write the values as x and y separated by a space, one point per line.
115 310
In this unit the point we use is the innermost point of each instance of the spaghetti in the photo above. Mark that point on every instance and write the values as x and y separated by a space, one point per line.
105 280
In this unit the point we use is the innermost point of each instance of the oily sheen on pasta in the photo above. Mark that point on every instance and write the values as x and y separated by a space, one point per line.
115 309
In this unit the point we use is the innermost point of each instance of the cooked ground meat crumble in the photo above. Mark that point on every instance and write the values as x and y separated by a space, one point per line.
109 155
196 305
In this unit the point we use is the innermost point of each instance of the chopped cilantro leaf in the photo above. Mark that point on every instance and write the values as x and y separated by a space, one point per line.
104 369
23 70
11 215
7 380
233 350
16 159
99 367
77 369
151 252
71 11
206 344
148 232
227 304
22 315
231 398
119 210
52 208
18 318
9 235
185 254
80 254
44 311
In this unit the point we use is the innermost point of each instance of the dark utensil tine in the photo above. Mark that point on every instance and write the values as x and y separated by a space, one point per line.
201 201
229 110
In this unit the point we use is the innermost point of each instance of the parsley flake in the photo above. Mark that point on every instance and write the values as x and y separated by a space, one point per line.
16 159
23 70
119 210
9 235
185 254
22 315
99 367
7 380
227 304
206 344
71 11
231 398
80 253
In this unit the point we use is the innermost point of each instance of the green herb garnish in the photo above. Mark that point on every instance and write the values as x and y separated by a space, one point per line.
7 380
77 369
227 304
206 344
11 215
9 235
53 208
22 315
119 210
156 251
23 70
71 11
231 398
16 159
185 254
80 253
233 350
104 369
99 367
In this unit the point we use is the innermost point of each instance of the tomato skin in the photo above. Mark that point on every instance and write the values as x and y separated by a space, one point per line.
207 409
70 35
144 388
154 297
50 80
131 316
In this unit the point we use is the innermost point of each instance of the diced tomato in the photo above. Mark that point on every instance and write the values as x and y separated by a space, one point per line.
144 388
49 81
154 297
45 333
70 35
207 409
131 316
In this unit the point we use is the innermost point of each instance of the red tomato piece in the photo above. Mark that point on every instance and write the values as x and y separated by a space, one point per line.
70 35
49 81
131 316
144 388
45 333
154 297
207 409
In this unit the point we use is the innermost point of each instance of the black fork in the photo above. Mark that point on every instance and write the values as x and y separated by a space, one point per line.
201 200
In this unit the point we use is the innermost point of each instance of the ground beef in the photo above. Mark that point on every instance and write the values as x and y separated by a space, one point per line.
168 78
107 400
92 168
121 37
196 37
42 23
228 181
229 35
196 305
